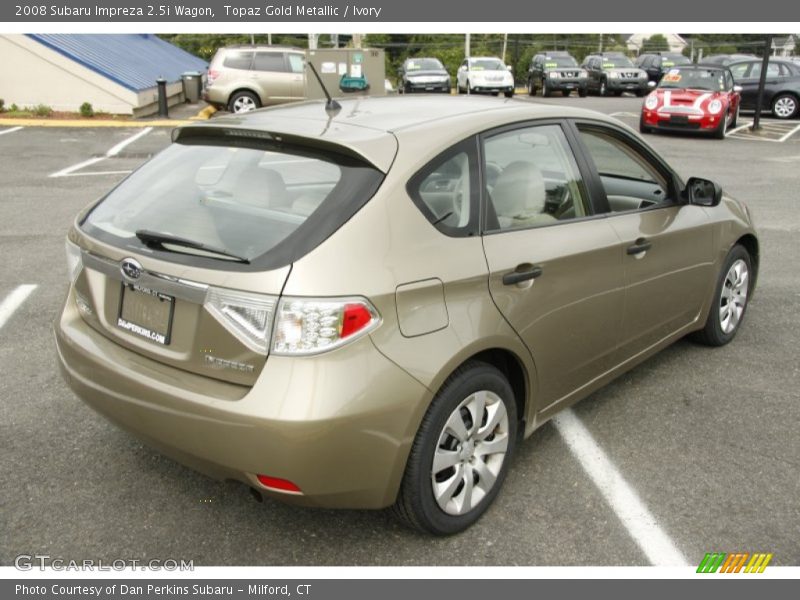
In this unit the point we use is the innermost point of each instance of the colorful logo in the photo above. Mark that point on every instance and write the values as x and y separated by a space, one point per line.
734 562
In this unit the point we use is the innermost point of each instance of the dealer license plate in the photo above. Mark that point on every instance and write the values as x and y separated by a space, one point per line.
146 313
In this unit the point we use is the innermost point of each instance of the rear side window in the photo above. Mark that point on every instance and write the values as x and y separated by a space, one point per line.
270 61
238 59
264 205
446 190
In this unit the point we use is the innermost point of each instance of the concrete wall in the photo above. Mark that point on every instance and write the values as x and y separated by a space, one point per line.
34 74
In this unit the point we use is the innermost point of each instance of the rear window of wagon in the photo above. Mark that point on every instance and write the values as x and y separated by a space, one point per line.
269 203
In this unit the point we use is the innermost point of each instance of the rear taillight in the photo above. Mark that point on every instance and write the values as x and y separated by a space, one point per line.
312 325
247 316
74 261
212 75
278 484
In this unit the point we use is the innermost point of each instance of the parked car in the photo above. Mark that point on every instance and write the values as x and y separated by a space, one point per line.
781 90
375 315
423 75
693 98
485 75
243 78
724 59
555 71
656 64
614 73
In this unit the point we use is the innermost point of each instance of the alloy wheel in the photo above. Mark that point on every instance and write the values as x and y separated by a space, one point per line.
470 452
733 297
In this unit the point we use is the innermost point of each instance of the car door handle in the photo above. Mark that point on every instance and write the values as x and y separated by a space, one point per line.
640 245
520 276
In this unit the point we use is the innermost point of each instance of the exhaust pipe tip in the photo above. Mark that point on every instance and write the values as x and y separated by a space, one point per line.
256 495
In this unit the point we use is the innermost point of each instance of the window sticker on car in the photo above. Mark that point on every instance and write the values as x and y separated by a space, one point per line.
608 65
551 65
412 66
673 77
476 68
668 63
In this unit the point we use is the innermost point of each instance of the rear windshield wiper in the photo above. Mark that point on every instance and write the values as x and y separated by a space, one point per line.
152 238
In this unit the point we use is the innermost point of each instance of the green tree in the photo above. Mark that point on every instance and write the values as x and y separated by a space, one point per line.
655 43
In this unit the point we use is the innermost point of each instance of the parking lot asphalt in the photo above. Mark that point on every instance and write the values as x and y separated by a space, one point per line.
707 438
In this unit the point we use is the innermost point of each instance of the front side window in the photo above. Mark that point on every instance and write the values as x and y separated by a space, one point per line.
532 179
630 180
296 63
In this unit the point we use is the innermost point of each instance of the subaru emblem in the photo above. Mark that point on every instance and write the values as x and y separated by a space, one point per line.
131 269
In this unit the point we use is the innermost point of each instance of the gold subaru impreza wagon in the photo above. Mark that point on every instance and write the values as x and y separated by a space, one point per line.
370 306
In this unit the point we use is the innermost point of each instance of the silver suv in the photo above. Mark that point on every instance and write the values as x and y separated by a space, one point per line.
243 78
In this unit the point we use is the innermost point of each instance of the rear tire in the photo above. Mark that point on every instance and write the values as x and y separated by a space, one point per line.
728 306
242 102
461 452
531 88
785 106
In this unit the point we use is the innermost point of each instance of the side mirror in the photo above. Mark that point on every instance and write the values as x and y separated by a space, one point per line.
703 192
651 84
737 89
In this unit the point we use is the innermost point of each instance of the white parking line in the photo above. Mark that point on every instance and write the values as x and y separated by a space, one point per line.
12 130
13 301
790 134
91 173
110 154
640 523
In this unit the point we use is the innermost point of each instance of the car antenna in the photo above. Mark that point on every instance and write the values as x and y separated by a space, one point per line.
332 107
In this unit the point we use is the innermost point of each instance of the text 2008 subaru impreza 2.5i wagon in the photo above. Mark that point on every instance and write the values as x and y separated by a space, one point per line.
371 308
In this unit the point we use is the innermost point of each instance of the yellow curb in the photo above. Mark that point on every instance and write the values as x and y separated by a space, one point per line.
89 123
204 114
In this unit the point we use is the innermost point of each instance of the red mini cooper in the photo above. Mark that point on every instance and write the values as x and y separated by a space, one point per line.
693 98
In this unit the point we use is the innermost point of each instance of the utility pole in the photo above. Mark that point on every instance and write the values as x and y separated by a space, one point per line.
761 82
505 45
312 41
466 46
356 40
601 44
269 39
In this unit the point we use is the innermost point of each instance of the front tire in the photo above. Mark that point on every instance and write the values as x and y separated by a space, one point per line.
785 106
531 88
461 452
242 102
546 91
730 299
509 94
722 128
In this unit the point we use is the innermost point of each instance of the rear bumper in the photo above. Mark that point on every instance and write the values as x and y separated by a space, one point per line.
338 425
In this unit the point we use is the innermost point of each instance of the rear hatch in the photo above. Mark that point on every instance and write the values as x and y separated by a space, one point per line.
185 260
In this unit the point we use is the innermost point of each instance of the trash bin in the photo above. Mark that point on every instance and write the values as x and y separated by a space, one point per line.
192 86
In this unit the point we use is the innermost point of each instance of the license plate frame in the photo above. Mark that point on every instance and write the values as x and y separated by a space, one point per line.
147 313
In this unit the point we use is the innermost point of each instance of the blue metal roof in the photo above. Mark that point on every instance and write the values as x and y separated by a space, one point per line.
134 61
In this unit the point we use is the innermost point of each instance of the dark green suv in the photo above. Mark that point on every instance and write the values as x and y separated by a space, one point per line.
556 71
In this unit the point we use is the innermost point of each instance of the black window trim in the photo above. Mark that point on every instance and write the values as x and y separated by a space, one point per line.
674 182
469 146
